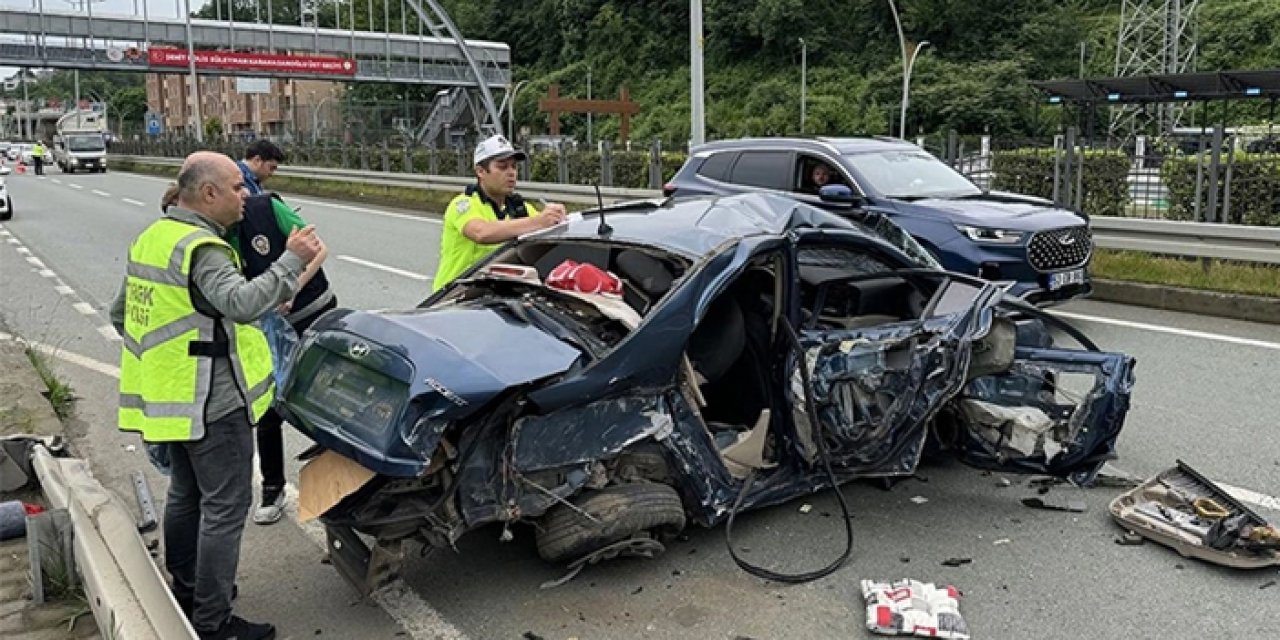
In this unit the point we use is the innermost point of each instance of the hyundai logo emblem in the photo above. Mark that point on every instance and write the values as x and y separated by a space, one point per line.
1067 239
358 350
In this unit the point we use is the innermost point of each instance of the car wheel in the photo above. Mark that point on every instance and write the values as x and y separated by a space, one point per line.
8 212
621 511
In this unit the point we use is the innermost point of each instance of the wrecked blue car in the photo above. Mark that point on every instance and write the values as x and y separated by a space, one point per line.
756 349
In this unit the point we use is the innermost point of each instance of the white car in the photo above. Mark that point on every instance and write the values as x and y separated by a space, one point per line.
6 202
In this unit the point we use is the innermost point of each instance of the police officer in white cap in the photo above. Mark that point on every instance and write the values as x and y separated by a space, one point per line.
489 212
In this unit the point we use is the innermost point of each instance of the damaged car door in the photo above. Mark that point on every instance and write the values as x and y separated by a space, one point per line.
885 355
1053 411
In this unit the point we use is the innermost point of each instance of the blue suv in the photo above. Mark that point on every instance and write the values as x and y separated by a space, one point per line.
1039 251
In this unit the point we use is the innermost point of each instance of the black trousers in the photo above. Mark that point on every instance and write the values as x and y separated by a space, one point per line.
269 432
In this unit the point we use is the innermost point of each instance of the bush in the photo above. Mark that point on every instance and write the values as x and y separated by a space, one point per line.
1254 182
1030 171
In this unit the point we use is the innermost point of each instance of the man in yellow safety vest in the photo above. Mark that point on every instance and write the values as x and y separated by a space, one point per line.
195 374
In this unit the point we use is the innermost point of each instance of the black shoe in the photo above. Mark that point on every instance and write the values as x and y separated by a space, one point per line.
237 628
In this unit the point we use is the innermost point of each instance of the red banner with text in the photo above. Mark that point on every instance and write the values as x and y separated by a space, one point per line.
262 62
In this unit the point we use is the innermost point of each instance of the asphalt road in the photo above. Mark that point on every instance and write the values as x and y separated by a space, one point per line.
1205 394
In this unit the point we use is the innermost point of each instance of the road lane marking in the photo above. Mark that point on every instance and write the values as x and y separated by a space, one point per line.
383 267
109 332
57 181
419 619
65 290
1186 333
388 214
74 185
84 308
34 261
47 273
102 193
65 356
23 250
13 241
134 202
1252 497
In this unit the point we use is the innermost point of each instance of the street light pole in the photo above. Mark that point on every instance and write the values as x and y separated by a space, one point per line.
697 128
906 87
902 43
804 81
588 113
195 85
511 110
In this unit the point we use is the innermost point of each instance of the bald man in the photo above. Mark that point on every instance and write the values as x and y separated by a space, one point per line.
199 401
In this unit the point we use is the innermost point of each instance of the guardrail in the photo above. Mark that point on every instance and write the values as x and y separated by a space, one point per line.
1188 239
129 597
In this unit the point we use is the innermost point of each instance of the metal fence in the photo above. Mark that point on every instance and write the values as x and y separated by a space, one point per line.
1213 177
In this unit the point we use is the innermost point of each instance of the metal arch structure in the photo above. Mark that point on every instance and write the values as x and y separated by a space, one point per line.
1156 37
447 23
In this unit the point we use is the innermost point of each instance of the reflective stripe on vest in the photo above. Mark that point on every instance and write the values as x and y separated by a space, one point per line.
164 388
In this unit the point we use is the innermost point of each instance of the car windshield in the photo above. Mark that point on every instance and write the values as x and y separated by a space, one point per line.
910 174
85 143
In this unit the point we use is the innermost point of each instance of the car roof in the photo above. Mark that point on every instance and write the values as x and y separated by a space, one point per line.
697 226
839 146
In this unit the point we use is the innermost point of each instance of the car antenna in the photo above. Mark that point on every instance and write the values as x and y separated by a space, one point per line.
604 229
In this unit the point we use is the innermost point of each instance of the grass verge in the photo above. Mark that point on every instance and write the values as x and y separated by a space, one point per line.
60 394
1130 266
1208 275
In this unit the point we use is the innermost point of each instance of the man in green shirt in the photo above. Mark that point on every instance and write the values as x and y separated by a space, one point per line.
489 212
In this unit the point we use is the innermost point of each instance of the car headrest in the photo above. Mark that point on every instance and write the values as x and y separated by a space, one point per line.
645 271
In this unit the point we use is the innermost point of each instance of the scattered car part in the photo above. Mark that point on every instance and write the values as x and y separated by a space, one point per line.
956 562
1182 509
1074 506
146 505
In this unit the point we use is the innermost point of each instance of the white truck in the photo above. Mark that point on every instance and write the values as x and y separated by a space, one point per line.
79 143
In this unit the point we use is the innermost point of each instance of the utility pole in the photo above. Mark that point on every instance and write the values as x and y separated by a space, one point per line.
697 129
26 107
588 113
195 85
804 64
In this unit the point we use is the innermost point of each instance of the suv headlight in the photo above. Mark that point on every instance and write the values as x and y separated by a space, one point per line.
73 162
990 236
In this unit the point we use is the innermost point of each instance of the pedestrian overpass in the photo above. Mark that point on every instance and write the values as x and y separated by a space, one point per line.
123 43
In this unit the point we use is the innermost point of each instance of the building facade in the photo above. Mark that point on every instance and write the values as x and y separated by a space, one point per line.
272 107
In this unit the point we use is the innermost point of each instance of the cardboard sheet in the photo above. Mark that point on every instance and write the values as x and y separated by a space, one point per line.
325 480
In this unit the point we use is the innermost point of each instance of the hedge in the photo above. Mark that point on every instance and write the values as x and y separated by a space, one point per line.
1255 199
1030 171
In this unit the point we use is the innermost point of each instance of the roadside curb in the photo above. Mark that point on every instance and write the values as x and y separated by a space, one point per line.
1237 306
128 595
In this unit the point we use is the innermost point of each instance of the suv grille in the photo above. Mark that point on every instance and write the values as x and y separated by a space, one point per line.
1063 248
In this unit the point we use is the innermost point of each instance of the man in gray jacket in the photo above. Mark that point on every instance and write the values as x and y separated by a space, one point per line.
210 489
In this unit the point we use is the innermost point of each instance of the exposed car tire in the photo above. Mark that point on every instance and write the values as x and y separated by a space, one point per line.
622 510
7 214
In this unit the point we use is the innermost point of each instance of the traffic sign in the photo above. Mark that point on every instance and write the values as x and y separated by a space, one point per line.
153 124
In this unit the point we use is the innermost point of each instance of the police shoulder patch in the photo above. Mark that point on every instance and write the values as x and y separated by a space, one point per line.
464 205
261 244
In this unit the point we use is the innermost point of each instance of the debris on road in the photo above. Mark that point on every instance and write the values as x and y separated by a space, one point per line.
1184 510
919 499
1004 482
1130 539
1051 504
956 562
806 508
1001 541
1267 585
910 607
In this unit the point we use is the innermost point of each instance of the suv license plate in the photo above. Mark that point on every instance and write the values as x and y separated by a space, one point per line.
1066 278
